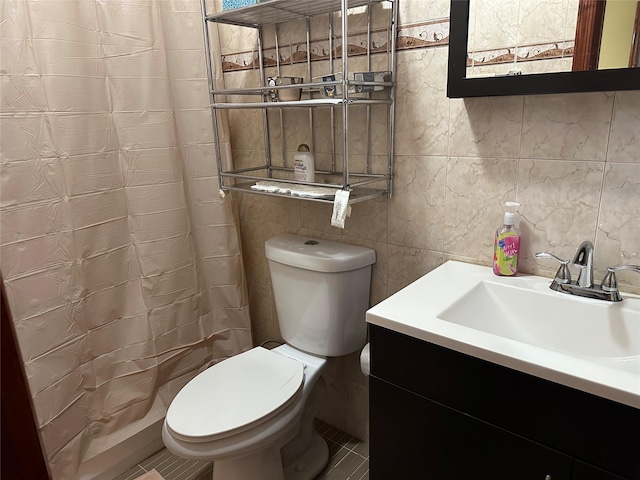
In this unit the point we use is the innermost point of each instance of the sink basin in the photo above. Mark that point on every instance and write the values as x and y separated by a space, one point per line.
519 323
608 333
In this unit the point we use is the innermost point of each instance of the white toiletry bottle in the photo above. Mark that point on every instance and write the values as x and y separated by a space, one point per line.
304 165
507 245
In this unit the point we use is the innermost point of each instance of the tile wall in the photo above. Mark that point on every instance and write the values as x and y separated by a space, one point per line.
572 161
521 35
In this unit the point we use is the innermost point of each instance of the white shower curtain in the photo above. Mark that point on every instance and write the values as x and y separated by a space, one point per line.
122 263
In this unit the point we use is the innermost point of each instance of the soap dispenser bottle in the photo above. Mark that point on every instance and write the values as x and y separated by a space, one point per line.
507 244
304 165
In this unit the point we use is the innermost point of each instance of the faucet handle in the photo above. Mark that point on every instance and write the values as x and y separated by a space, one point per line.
563 275
610 282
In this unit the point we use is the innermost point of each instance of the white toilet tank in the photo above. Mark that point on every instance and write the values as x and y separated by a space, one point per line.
321 291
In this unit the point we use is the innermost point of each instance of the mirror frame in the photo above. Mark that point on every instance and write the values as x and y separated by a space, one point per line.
458 86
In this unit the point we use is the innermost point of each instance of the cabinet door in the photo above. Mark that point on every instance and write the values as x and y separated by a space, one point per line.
412 437
584 471
585 426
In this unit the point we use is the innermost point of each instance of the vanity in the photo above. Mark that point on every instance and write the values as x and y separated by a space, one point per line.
475 376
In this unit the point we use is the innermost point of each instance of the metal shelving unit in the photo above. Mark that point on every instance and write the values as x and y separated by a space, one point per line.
361 185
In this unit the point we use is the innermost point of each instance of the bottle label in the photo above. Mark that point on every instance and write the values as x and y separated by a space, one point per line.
505 255
299 171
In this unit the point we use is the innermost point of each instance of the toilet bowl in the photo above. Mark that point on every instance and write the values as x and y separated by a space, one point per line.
252 414
270 398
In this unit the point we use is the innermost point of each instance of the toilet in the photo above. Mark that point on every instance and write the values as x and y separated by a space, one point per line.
252 414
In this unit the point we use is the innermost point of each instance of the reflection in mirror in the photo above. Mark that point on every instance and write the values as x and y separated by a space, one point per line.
516 37
619 45
515 47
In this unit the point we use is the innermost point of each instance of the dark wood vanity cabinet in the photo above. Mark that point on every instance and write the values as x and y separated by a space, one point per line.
437 414
413 437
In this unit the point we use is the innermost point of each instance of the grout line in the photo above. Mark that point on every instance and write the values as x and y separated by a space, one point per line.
354 470
163 468
172 467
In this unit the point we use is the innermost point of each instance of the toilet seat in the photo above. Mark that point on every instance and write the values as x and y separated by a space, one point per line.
235 395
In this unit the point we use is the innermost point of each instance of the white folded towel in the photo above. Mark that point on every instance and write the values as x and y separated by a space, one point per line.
295 190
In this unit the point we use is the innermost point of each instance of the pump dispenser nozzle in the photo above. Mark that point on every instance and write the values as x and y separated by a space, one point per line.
510 217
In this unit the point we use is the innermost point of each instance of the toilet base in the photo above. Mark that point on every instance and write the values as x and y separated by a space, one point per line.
311 463
262 465
266 464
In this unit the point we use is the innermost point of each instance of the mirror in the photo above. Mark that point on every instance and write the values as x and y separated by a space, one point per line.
540 65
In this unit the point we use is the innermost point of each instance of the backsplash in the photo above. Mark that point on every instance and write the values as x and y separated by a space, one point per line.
571 160
553 54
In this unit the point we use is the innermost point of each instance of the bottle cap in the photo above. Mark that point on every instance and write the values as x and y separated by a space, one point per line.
510 217
303 147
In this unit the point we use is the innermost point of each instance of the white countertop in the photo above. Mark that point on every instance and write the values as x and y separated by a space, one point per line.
417 311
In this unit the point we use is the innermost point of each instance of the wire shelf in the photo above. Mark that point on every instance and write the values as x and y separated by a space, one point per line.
279 11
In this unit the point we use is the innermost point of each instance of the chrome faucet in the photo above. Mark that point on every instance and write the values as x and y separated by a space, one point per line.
584 286
583 259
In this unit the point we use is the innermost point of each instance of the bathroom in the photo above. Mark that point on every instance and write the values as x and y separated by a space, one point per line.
571 160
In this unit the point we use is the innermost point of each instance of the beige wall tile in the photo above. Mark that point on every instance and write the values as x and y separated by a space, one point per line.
476 191
559 208
263 322
254 236
570 127
406 265
358 17
416 211
485 127
618 233
368 220
624 140
541 21
572 19
358 137
494 24
270 210
414 11
422 108
246 129
295 123
234 40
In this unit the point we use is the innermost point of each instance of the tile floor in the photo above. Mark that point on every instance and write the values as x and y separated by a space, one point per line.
348 460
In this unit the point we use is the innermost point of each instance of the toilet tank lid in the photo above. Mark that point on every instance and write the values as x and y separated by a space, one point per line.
318 255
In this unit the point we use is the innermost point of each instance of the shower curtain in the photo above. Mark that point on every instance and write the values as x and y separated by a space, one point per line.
121 261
